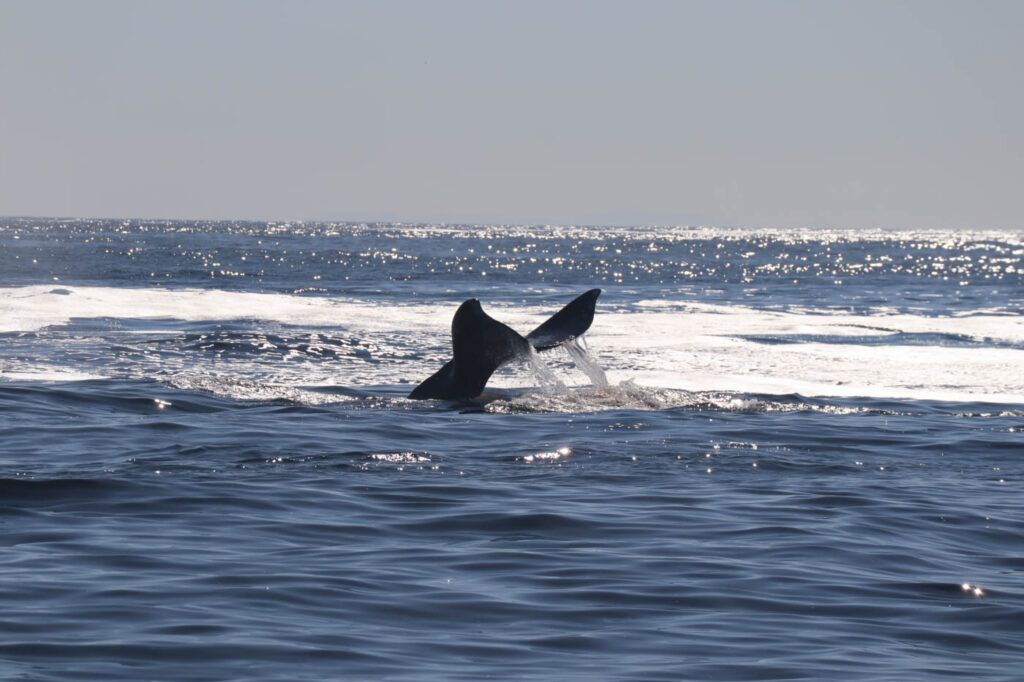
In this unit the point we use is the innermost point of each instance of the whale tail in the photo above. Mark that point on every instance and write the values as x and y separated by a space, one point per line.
481 344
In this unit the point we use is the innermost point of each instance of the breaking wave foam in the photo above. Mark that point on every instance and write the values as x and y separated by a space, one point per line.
682 346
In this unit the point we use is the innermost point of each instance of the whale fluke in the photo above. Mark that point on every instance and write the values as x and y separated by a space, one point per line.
481 344
567 324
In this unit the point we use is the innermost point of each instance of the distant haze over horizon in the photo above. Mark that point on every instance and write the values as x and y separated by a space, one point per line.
881 115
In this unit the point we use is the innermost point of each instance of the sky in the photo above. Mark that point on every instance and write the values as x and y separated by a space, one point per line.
861 114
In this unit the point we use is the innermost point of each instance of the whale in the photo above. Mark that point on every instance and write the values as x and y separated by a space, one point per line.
481 344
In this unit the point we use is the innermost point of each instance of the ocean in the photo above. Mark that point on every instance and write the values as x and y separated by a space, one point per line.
807 462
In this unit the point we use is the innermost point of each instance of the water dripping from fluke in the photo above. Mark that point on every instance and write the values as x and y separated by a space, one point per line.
586 362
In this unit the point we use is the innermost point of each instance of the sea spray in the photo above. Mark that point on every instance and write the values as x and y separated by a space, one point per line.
586 363
545 376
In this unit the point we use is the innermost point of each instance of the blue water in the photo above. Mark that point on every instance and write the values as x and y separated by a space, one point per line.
209 470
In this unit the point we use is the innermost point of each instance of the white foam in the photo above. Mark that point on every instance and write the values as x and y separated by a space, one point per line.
703 350
241 389
701 347
667 344
32 308
47 375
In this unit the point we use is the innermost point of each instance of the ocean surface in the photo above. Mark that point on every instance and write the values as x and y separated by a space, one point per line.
807 462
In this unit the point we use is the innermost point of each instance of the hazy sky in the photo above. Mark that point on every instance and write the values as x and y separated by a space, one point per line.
873 114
